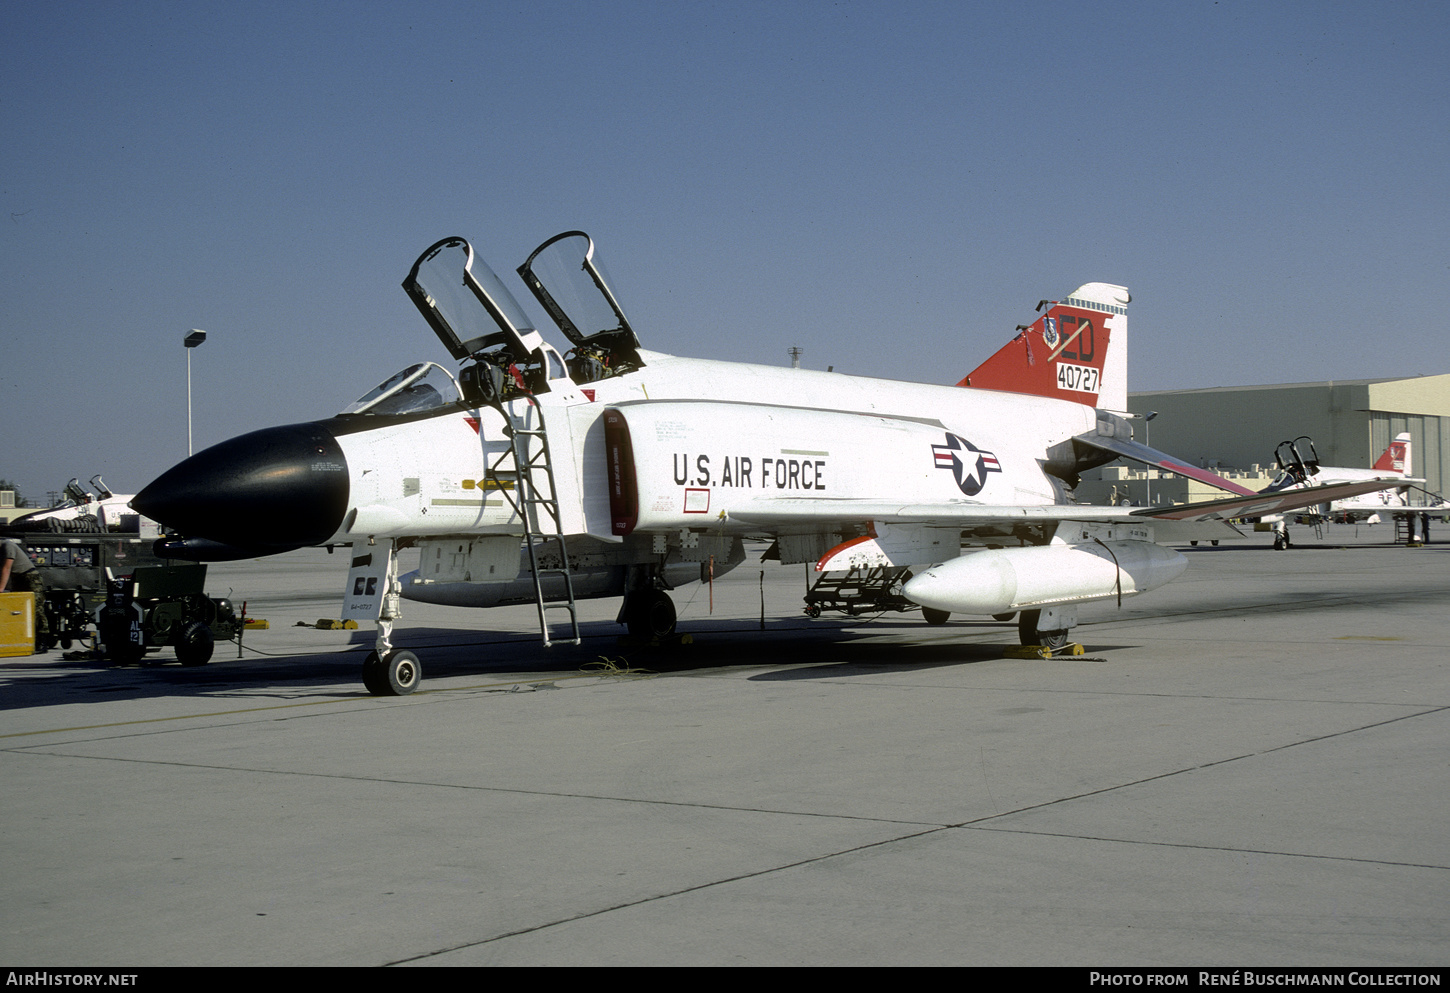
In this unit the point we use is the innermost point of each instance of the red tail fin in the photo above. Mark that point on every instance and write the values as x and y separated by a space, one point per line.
1066 353
1396 458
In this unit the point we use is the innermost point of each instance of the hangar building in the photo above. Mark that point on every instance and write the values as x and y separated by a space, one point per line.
1351 422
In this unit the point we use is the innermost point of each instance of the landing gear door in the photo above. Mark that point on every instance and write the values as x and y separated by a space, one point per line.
469 310
367 583
570 283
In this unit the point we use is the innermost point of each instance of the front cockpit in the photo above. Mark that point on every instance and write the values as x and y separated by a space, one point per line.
417 389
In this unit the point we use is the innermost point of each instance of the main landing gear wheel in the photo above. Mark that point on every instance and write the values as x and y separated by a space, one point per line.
651 614
932 616
1028 634
396 675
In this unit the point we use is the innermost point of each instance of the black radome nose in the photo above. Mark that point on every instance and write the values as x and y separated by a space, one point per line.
272 489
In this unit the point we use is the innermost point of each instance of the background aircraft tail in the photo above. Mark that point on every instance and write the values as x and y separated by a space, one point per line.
1396 458
1077 350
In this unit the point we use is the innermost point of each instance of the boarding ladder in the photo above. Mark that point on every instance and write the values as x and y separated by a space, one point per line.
538 512
1411 530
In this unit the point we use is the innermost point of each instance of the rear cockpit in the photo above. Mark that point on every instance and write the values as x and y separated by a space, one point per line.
570 283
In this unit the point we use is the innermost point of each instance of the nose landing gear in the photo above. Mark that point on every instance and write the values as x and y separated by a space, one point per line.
398 673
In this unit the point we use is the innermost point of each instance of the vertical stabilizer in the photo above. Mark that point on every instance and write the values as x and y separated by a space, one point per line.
1077 350
1396 458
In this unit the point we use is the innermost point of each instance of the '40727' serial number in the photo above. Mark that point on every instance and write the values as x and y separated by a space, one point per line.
1083 378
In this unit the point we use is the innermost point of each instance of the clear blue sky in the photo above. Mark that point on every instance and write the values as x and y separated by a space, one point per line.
890 186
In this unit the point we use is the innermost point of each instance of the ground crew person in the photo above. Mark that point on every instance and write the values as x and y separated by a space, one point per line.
19 575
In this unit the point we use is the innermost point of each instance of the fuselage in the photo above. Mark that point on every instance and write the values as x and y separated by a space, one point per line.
709 438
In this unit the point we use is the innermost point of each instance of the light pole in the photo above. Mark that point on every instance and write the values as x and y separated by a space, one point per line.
193 339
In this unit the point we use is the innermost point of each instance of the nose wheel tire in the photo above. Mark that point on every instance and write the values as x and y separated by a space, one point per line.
396 675
371 668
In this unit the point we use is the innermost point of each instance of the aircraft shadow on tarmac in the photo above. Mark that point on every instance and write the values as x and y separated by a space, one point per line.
715 645
824 648
791 648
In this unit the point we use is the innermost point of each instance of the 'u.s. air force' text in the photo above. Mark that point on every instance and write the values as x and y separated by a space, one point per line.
742 472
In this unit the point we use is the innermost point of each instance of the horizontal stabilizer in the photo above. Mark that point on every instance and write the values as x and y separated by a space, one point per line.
1433 500
1138 452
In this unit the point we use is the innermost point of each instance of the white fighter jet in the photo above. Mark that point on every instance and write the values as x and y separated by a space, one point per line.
535 476
80 511
1299 469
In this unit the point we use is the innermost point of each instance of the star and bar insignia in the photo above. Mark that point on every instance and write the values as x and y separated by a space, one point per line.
968 463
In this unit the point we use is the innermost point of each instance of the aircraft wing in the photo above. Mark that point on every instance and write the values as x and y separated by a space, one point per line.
1188 522
1438 502
988 519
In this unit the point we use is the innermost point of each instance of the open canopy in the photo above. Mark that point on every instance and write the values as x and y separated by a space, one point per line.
467 305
